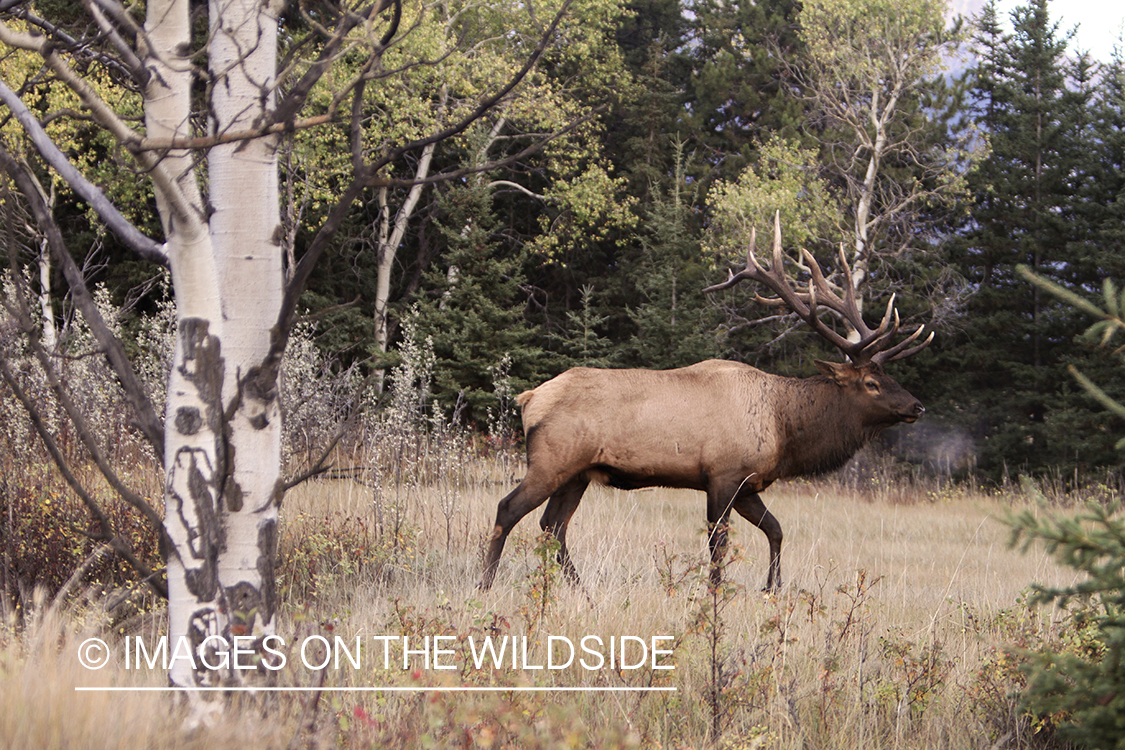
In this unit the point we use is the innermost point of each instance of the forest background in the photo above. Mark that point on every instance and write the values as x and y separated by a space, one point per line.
936 159
710 117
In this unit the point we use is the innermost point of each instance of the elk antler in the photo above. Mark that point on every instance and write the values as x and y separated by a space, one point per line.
872 344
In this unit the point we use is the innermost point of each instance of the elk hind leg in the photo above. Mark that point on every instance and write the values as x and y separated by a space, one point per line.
556 517
750 507
529 495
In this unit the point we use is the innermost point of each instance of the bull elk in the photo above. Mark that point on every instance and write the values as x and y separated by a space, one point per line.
720 427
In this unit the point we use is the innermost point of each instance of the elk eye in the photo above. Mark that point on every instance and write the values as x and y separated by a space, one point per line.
872 386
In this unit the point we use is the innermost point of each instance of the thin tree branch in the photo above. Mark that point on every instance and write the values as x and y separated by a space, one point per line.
132 237
295 99
77 419
128 55
147 419
455 174
517 186
208 141
486 105
143 570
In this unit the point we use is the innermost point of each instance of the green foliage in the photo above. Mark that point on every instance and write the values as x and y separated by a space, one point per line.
1079 684
786 180
737 91
1109 322
877 26
581 344
473 312
672 319
1043 198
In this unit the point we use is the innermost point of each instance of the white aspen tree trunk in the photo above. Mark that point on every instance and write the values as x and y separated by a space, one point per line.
389 242
50 334
880 117
246 234
390 239
222 428
193 412
50 330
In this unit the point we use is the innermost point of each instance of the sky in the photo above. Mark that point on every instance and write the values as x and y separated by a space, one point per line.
1099 22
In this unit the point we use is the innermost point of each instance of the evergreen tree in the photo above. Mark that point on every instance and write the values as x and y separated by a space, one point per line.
739 92
1107 184
581 344
673 321
473 308
1034 204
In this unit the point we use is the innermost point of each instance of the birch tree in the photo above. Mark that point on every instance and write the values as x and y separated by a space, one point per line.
216 99
882 152
869 67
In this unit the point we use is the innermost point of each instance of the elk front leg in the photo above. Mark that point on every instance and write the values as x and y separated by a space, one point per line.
750 507
560 509
719 501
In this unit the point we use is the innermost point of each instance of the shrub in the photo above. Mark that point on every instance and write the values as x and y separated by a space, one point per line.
1079 682
45 536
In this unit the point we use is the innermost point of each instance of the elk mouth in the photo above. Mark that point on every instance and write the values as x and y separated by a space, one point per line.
911 416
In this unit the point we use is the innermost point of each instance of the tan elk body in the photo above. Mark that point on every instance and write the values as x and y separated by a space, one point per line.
720 427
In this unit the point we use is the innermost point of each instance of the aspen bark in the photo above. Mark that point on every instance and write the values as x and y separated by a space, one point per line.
222 441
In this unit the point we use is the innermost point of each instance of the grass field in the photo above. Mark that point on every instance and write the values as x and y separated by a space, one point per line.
888 632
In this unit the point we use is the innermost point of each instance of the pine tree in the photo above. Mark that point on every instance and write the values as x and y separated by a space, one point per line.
1080 685
673 320
473 309
1030 207
738 91
581 344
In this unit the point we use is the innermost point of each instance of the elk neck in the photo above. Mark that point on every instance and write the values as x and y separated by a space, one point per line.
819 425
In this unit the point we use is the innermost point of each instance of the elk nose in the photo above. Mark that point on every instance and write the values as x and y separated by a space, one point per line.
919 410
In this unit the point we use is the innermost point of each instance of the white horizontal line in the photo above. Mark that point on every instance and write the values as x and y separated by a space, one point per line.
391 689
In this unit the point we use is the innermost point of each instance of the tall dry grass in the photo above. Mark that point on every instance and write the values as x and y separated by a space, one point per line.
887 633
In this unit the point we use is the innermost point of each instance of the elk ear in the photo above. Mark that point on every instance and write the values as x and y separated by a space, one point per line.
842 372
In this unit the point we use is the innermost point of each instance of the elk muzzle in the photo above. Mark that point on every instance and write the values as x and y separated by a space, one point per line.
913 412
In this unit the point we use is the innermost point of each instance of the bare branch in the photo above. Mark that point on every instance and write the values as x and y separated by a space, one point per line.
132 237
147 419
518 187
455 174
52 446
130 60
77 419
296 97
201 143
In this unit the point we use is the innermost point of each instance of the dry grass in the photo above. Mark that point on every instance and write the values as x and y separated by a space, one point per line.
890 615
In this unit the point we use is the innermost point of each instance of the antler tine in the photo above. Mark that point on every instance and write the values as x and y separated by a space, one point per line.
882 334
774 278
804 303
899 350
751 271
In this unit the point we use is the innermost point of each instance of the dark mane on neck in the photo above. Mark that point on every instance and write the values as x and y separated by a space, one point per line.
821 431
